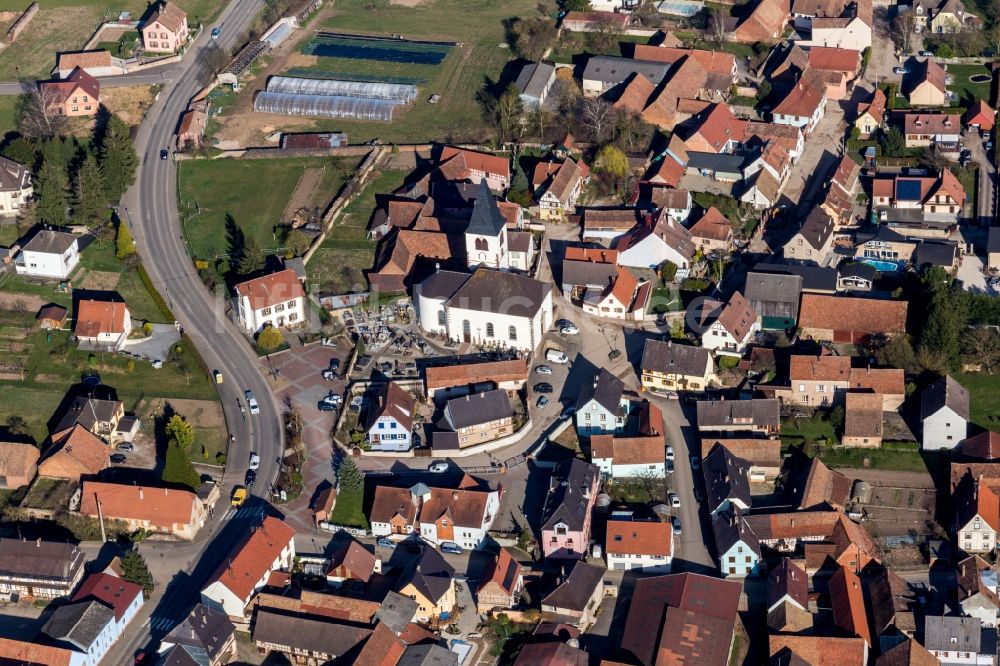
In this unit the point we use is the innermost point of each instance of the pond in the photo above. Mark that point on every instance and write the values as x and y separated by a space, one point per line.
980 78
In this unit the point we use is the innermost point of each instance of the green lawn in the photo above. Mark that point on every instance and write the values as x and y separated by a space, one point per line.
814 429
964 89
253 192
984 393
8 113
349 510
575 44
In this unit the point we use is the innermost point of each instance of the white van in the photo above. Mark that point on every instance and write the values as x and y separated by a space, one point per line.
556 356
670 453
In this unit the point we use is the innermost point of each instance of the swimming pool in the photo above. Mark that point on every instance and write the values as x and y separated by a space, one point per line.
882 266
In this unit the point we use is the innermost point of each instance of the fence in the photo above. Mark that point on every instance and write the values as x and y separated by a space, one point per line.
353 531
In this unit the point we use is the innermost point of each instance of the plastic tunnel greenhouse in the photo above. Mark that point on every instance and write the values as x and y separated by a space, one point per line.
400 92
326 106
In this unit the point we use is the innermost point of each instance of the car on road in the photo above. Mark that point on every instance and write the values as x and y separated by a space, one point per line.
239 497
926 54
677 524
451 547
216 32
126 446
541 402
438 467
695 462
251 402
670 466
569 329
542 387
164 154
900 70
250 477
556 356
671 395
118 458
675 501
386 543
254 461
543 369
217 376
670 452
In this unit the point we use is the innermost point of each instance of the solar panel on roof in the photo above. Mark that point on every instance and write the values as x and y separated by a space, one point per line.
908 190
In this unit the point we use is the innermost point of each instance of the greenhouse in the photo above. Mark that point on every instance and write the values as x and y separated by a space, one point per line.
401 93
325 106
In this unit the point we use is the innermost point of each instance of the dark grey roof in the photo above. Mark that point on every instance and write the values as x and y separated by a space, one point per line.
205 630
501 293
442 284
945 392
858 269
936 253
817 228
49 242
396 611
305 633
429 573
614 70
953 633
87 412
993 244
427 655
774 294
814 278
184 655
47 560
718 162
729 413
730 527
668 357
297 264
727 477
535 78
13 175
606 389
880 233
79 624
567 501
477 408
574 593
588 274
486 219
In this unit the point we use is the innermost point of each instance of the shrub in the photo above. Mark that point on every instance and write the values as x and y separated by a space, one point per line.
694 284
667 272
270 340
147 328
728 362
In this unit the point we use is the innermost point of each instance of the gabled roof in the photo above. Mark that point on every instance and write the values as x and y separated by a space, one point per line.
114 592
389 502
394 401
875 108
817 229
815 485
975 576
120 501
674 358
476 408
728 413
97 317
980 113
932 123
737 316
307 634
575 592
269 290
863 415
466 507
477 161
356 558
731 529
846 174
445 376
844 313
252 558
945 392
498 292
204 629
429 573
79 624
383 648
928 71
765 22
76 452
613 69
168 15
801 101
848 602
790 649
907 653
757 452
605 389
503 571
951 633
774 294
647 450
788 580
793 524
58 92
712 225
719 126
834 59
18 459
809 368
984 446
551 653
49 560
973 497
46 241
26 653
727 477
569 498
885 381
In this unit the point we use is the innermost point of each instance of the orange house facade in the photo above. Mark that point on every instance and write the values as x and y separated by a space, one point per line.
78 95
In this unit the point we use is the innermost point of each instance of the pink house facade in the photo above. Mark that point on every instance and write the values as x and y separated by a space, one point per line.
166 30
569 505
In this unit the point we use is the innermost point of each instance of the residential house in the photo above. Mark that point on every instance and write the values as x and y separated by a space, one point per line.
635 544
803 107
952 16
26 652
558 186
631 457
762 189
787 532
713 233
955 640
602 73
101 417
907 651
816 650
622 297
468 165
836 67
812 485
729 328
892 605
715 131
871 115
488 306
944 414
352 561
842 192
566 513
462 515
40 569
389 424
275 300
604 225
79 94
18 464
758 416
161 511
681 618
474 419
848 603
763 455
927 85
75 453
977 514
977 590
817 381
673 202
97 63
841 24
551 653
166 29
501 583
443 382
856 276
430 581
205 637
937 253
727 481
814 241
48 254
943 130
576 600
15 190
919 198
265 549
521 249
815 279
862 420
534 83
670 366
980 116
737 545
775 297
588 21
658 240
849 545
306 638
884 244
602 407
845 319
788 598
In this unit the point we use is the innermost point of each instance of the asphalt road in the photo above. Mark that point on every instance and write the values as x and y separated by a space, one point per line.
163 74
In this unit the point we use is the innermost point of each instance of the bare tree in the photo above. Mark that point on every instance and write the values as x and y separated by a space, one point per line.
39 114
982 345
901 30
214 58
718 27
608 30
538 120
596 116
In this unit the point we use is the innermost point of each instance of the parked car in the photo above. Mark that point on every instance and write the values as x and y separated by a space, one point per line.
438 467
541 402
556 356
675 501
926 54
451 547
670 453
543 387
330 403
543 370
126 446
900 70
677 524
239 497
164 154
216 32
250 477
569 329
218 376
251 402
695 462
670 466
254 461
386 543
118 458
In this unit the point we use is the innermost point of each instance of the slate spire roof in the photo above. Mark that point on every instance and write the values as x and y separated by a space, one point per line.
486 217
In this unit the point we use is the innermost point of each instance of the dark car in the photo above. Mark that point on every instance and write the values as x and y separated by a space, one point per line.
164 154
541 402
250 478
118 458
543 387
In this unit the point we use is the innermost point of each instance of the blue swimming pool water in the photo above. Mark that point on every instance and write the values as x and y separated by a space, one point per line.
882 266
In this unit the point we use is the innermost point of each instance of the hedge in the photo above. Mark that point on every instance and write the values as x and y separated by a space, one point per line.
155 295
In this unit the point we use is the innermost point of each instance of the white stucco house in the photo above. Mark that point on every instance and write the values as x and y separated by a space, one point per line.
730 327
944 414
461 515
49 254
15 187
803 106
736 543
977 516
638 545
502 309
103 325
602 408
275 300
650 244
629 457
389 426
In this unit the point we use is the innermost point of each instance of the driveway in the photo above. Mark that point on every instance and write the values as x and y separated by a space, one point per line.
156 346
810 174
986 196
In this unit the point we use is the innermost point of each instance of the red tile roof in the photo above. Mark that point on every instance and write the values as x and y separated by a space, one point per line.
96 317
114 592
842 313
985 445
802 101
713 225
834 60
248 563
23 653
875 108
632 537
848 602
809 368
57 92
719 126
446 376
270 290
120 501
765 23
816 650
980 113
503 571
594 255
169 15
484 162
932 123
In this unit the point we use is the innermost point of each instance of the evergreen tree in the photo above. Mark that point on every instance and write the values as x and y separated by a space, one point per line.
124 244
50 189
135 570
251 257
118 158
520 181
178 469
180 431
91 201
349 476
22 151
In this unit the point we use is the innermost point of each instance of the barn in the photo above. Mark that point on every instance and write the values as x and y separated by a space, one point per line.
845 319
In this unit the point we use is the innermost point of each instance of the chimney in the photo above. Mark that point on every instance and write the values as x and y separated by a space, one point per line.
38 542
454 494
140 494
